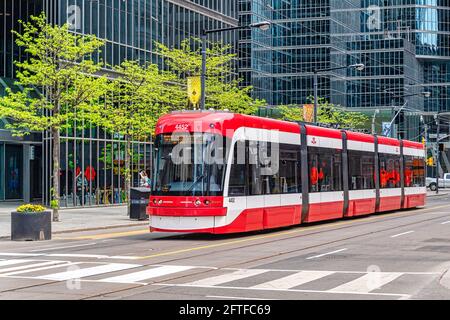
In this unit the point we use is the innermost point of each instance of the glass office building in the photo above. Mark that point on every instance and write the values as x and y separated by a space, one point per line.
404 45
92 160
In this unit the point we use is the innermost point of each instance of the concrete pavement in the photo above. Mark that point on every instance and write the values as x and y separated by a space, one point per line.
396 255
79 219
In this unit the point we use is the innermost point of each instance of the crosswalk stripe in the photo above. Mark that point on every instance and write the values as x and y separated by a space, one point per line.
238 275
13 261
86 272
146 274
61 265
368 282
29 266
293 280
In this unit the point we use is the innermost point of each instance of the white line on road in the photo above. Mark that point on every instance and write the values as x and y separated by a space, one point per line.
64 264
96 256
66 247
400 295
146 274
87 272
28 266
368 282
445 222
13 261
401 234
294 280
238 275
325 254
13 254
238 298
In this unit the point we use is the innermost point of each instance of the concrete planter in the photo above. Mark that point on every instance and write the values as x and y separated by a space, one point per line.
31 226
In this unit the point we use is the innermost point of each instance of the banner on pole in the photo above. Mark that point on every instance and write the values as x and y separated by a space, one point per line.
308 112
194 89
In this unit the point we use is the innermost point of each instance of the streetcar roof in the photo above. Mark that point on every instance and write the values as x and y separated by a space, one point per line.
225 123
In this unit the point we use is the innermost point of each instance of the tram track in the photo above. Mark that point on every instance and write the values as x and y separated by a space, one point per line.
278 254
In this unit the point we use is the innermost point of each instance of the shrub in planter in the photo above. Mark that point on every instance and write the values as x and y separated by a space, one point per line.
31 222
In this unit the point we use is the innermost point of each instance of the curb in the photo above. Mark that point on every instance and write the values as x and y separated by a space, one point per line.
438 195
137 224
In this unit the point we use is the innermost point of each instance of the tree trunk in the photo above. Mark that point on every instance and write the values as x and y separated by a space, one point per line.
127 171
55 192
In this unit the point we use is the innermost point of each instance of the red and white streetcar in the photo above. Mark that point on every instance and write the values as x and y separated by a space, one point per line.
219 172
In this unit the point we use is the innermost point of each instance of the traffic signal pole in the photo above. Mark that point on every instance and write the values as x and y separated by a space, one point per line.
438 153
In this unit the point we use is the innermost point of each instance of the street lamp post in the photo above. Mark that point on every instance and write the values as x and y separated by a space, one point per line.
358 66
426 94
263 25
373 120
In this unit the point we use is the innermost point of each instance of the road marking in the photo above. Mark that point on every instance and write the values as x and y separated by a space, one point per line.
66 247
238 298
13 261
13 254
325 254
87 272
147 274
65 264
28 266
284 233
294 280
401 234
96 256
368 282
111 235
400 295
238 275
445 222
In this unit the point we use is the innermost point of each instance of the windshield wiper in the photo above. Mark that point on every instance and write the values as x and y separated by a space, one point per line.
201 177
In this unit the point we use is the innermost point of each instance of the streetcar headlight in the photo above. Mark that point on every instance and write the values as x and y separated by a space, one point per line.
198 202
154 201
206 202
160 201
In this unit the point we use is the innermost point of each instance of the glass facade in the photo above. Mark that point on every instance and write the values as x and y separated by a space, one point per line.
92 160
404 45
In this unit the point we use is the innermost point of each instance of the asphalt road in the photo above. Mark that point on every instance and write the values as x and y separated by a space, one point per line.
397 255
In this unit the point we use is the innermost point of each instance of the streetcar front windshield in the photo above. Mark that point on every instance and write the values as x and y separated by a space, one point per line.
189 164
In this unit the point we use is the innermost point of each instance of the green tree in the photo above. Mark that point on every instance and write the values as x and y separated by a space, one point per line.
223 90
138 97
327 113
60 71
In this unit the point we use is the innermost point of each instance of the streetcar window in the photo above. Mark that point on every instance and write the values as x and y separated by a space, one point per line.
264 175
237 183
361 168
325 169
290 172
255 181
414 171
389 171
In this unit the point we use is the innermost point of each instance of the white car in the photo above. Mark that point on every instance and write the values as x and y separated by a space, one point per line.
443 183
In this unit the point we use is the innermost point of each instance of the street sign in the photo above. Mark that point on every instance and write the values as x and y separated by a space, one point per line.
386 128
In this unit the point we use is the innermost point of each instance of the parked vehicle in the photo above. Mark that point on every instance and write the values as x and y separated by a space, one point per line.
443 183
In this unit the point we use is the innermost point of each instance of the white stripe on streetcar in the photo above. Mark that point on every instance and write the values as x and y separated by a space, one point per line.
87 272
401 234
368 282
238 275
325 254
146 274
28 266
294 280
13 261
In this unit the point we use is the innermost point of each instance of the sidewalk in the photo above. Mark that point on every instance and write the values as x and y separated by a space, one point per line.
442 192
72 220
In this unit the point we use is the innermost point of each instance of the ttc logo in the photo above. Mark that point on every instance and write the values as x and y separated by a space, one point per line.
313 140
